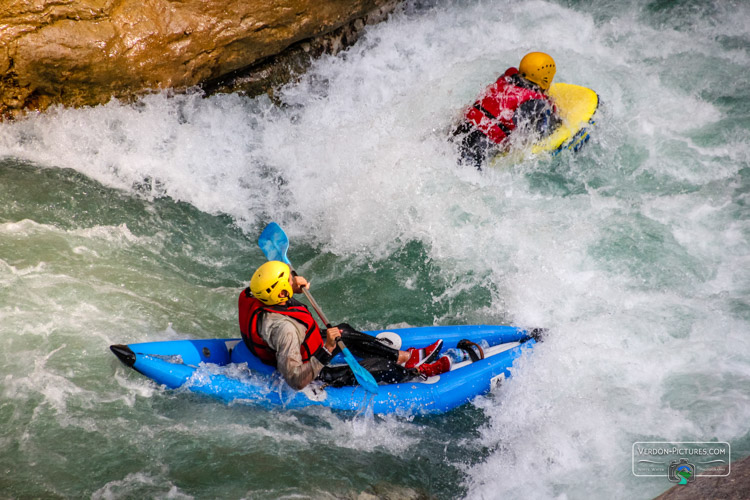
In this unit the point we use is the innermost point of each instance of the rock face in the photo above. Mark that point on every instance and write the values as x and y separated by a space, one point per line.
736 486
84 52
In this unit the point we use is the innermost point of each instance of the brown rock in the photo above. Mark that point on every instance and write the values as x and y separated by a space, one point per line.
84 52
269 73
735 486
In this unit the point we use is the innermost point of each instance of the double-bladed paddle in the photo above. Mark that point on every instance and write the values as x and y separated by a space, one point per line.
275 243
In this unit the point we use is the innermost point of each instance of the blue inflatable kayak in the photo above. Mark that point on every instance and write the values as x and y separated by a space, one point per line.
225 369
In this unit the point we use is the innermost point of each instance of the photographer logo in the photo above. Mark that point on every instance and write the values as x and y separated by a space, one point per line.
681 471
681 461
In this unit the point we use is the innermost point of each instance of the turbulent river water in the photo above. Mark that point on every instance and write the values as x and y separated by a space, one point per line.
138 222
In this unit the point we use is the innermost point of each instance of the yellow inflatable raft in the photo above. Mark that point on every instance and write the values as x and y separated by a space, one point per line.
576 106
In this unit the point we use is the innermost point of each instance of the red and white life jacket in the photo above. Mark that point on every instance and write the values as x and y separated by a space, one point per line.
493 112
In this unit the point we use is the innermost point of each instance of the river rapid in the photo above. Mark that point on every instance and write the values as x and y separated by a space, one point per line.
138 222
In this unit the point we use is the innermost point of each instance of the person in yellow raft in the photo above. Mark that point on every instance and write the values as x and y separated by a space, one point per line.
282 332
516 104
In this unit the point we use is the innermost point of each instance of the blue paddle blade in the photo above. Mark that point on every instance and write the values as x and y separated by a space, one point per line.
274 243
364 377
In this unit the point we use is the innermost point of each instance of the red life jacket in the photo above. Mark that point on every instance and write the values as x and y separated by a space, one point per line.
493 112
250 310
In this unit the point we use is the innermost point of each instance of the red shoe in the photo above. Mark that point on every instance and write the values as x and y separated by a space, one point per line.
442 365
420 356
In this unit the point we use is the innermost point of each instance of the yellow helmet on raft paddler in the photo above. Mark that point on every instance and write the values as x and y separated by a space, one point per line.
269 280
539 68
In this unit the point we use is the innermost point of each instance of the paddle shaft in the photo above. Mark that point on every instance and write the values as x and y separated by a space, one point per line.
315 306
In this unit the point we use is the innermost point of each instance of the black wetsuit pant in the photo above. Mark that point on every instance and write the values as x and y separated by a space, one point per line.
378 358
474 146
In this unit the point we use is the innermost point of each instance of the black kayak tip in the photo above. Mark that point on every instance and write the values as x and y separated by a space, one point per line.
124 353
538 334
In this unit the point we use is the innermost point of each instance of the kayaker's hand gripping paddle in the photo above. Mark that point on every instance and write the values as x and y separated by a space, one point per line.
274 243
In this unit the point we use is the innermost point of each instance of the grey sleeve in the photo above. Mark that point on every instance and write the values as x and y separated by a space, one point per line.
281 334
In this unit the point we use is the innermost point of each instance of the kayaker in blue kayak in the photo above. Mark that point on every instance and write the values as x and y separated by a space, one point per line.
514 109
282 332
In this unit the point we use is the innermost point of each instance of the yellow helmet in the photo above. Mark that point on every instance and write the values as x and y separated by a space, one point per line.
539 68
269 280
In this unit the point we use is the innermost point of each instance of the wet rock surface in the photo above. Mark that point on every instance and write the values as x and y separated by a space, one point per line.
735 486
84 52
